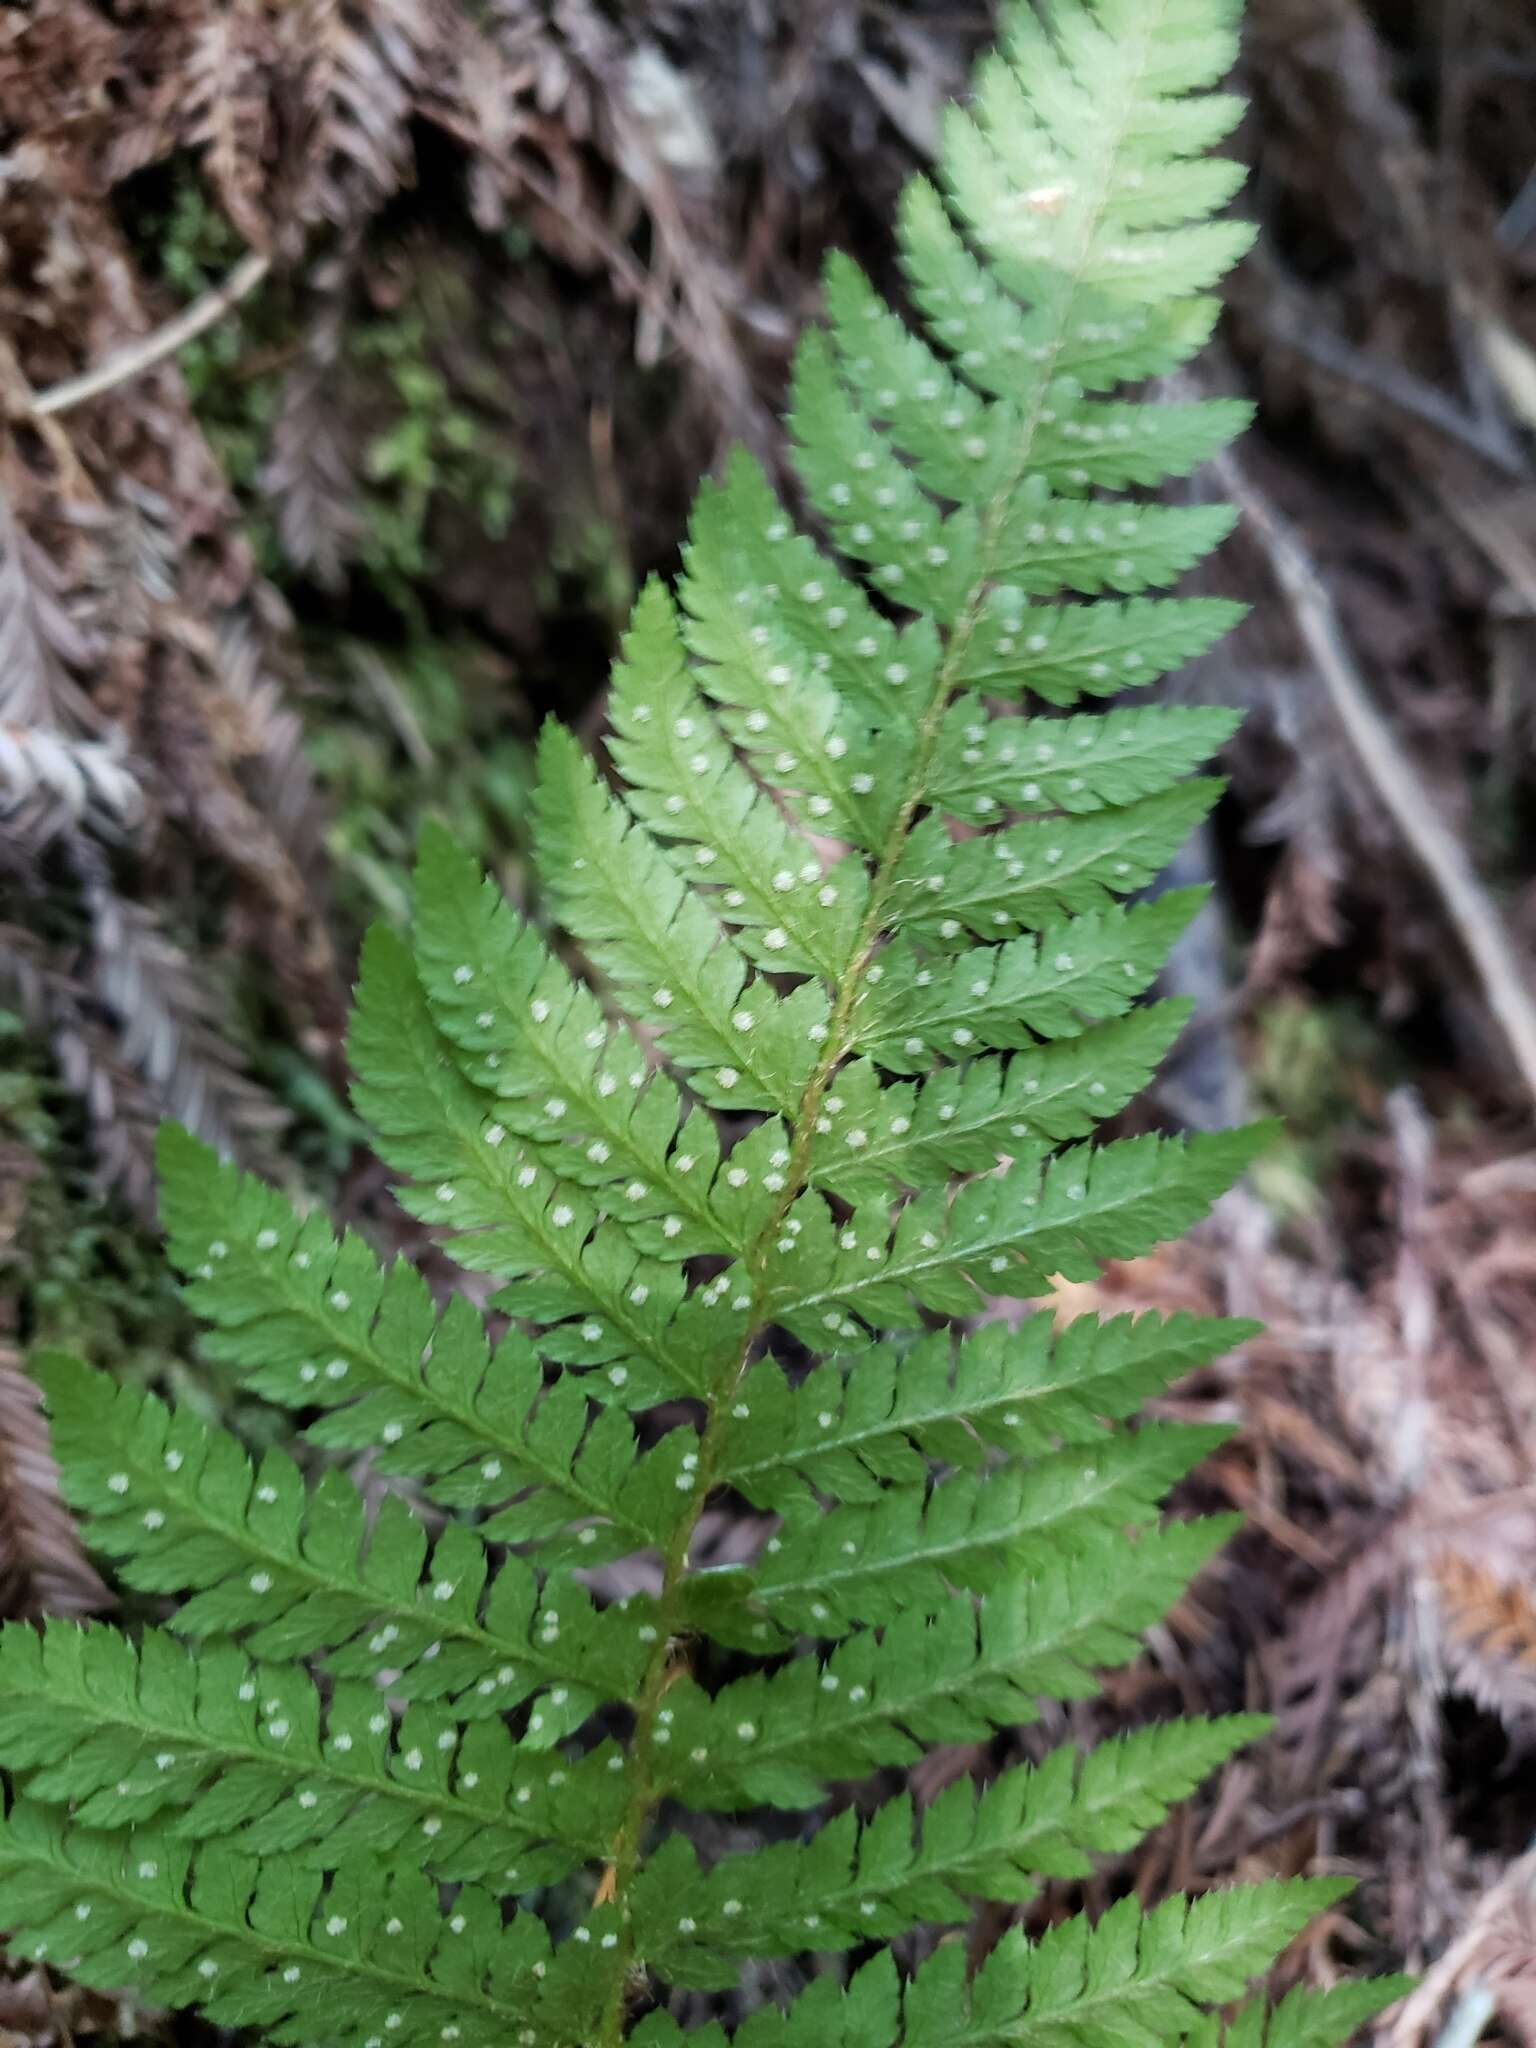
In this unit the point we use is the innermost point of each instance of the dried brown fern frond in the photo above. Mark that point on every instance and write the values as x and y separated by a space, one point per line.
1488 1628
252 671
361 64
309 476
57 766
43 1568
169 1022
201 729
228 83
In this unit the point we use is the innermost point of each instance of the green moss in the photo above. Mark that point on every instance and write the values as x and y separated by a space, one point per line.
436 446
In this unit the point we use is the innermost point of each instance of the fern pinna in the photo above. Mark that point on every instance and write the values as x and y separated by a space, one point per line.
863 945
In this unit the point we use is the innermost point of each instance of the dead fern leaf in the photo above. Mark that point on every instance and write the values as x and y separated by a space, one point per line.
362 61
309 477
1489 1623
43 1567
232 60
273 732
52 771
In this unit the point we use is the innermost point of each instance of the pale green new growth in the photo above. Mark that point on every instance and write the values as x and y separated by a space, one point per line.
758 1129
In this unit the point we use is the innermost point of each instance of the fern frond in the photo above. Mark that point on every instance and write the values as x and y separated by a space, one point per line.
865 1564
865 2013
854 931
674 966
43 1565
294 1571
859 1880
1304 2018
370 1947
1131 1979
218 1746
952 1676
854 1427
230 115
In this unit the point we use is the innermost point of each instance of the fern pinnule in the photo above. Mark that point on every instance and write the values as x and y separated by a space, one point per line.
860 946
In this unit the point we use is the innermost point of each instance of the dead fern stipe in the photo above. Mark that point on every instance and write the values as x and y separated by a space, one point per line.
748 1182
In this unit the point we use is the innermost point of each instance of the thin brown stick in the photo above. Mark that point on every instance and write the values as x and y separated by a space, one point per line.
149 349
1392 773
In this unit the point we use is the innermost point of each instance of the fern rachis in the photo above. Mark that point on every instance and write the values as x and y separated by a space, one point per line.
421 1778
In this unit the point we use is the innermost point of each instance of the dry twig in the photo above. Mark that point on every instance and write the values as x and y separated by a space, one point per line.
149 349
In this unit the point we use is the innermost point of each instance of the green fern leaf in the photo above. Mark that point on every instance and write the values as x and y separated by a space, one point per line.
760 1486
